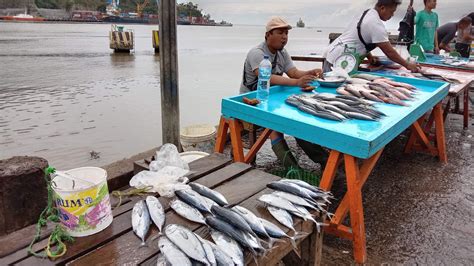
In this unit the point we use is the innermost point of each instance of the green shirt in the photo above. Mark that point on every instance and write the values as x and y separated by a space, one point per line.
426 25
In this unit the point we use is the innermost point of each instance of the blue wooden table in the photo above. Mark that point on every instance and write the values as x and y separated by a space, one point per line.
436 61
349 141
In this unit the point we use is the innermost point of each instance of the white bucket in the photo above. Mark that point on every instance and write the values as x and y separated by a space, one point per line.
189 156
82 197
198 138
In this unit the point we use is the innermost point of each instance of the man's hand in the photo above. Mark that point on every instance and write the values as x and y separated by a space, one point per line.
304 81
413 67
318 73
374 60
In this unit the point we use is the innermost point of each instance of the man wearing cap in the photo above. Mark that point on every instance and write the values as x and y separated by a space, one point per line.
367 33
276 37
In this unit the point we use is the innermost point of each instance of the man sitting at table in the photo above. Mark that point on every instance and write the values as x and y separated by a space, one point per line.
447 32
367 33
276 37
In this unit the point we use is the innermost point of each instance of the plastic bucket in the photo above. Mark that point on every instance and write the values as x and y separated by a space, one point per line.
84 207
198 138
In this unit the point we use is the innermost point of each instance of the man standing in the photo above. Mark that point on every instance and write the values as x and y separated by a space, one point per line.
447 32
367 33
427 22
276 37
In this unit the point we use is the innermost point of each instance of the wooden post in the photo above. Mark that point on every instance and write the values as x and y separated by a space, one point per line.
169 72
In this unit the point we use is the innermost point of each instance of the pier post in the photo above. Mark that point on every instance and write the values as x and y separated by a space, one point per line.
169 72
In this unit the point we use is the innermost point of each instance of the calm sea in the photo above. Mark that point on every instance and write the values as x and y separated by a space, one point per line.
63 93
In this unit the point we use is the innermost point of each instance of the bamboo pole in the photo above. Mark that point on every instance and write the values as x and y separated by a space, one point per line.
169 72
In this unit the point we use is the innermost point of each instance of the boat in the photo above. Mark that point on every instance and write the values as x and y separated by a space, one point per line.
22 17
300 23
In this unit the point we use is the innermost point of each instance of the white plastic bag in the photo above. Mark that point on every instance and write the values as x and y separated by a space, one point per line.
164 181
168 155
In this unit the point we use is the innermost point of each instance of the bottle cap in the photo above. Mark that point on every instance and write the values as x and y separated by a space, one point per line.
266 56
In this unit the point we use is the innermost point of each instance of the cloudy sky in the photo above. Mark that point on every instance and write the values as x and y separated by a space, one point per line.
317 13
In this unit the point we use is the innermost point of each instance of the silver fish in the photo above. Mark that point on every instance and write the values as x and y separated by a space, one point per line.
209 193
229 246
208 249
231 218
296 199
282 216
187 211
141 220
307 216
222 258
252 220
161 260
172 253
156 211
187 241
304 184
275 231
194 199
278 202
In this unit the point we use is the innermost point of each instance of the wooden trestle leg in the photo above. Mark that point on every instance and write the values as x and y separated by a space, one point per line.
351 203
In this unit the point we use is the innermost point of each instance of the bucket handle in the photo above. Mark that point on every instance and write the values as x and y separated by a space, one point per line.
72 178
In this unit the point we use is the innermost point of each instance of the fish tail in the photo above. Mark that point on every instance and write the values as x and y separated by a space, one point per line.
143 244
295 247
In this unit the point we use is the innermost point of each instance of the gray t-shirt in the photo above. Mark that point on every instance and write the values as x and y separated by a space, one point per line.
282 65
460 34
447 32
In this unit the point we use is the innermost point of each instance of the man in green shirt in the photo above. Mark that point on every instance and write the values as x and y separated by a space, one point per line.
427 22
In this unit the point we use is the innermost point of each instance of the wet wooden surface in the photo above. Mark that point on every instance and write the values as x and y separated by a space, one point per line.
118 245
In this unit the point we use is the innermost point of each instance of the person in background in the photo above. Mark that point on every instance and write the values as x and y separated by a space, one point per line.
447 32
367 33
276 37
426 22
464 38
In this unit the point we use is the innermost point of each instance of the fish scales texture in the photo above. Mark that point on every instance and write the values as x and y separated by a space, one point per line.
190 197
141 220
187 241
229 246
157 213
172 253
252 220
229 230
207 192
282 216
187 211
232 218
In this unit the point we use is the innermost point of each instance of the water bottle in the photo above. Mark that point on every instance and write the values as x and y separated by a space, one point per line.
264 74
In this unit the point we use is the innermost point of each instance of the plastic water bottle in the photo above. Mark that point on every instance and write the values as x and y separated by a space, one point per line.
264 74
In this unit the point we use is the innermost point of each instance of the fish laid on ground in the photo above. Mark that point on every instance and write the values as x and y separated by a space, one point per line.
282 216
229 230
187 241
187 211
232 218
157 213
221 257
228 246
252 220
207 192
141 220
208 249
172 253
278 202
194 199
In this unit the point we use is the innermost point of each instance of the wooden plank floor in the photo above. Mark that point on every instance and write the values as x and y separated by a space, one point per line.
118 244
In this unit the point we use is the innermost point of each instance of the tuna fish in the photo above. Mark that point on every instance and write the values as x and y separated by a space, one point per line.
141 220
194 199
208 249
222 258
228 246
278 202
282 216
232 218
187 211
173 255
156 211
252 220
209 193
187 241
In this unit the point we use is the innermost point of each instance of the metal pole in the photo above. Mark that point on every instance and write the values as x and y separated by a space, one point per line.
169 72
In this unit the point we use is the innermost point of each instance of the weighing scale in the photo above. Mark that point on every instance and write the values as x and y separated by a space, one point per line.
349 60
417 50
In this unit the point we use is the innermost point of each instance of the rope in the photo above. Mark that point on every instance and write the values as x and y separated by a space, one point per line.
50 213
133 192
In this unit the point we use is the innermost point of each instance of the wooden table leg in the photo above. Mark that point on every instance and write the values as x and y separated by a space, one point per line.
236 139
257 145
466 108
440 134
447 108
221 135
330 170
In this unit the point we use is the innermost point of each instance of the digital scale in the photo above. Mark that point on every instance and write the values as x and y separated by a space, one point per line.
349 60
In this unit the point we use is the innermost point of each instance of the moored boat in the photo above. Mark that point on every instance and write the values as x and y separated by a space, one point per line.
22 17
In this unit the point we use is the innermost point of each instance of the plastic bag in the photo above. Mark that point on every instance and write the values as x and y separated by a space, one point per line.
168 155
337 72
164 181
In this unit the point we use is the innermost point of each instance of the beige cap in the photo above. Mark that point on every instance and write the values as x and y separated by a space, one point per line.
276 23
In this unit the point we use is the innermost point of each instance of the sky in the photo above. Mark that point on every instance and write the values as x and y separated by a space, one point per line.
318 13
